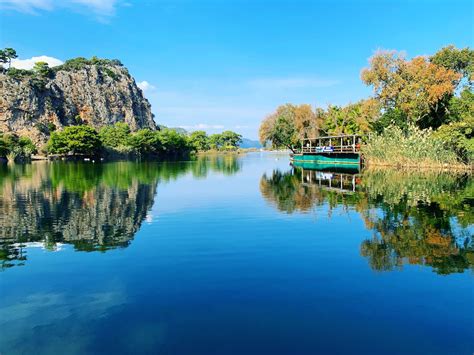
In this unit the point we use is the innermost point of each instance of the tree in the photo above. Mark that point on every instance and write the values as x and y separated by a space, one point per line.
279 128
230 140
146 142
115 136
6 56
305 121
42 69
215 141
459 136
16 147
417 87
459 60
75 140
199 140
173 143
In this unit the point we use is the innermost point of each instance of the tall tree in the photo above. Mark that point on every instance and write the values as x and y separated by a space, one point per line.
459 60
6 56
230 140
417 87
199 140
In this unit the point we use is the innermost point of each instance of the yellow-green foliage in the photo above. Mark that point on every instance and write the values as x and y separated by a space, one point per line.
459 136
415 147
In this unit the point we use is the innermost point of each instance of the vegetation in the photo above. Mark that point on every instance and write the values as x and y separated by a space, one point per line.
6 56
59 198
422 218
225 141
41 70
422 109
410 147
118 141
16 148
75 140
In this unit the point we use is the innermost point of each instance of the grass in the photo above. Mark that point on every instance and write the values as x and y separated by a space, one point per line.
413 148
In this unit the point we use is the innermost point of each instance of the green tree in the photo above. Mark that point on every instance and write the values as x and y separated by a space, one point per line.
42 69
16 148
75 140
280 128
6 56
146 142
199 140
230 140
459 137
459 60
115 136
417 87
173 144
3 148
215 141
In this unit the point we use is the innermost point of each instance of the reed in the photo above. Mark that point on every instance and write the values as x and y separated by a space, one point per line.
411 148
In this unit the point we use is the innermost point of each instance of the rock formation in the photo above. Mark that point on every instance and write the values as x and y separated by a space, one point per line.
96 92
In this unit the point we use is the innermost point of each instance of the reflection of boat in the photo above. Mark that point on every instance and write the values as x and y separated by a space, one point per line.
340 181
341 150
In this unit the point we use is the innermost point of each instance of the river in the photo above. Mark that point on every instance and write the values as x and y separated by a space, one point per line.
234 254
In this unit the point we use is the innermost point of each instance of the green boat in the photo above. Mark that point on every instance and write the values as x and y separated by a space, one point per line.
324 153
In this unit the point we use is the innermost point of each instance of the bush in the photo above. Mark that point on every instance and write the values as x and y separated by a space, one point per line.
458 137
16 148
19 73
145 142
415 147
75 140
199 140
115 136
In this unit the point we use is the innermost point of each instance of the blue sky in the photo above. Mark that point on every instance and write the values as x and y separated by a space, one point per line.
225 64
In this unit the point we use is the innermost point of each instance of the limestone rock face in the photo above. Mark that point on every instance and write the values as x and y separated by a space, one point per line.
98 95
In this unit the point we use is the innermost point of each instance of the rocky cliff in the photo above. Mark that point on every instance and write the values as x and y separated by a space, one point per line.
95 92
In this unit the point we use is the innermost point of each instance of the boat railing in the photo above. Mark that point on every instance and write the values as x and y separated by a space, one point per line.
331 144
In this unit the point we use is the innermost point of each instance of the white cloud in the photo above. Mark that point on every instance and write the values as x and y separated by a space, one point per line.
145 86
291 83
29 63
102 8
203 126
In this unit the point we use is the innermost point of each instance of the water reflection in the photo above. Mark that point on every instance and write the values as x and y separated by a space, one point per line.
422 218
94 207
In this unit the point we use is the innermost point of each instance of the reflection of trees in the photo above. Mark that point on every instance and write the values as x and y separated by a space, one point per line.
91 206
301 190
227 164
416 218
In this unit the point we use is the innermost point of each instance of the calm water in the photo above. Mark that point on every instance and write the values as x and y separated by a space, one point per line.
234 255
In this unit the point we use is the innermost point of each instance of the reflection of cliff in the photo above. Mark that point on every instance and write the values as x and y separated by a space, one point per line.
91 206
415 218
34 208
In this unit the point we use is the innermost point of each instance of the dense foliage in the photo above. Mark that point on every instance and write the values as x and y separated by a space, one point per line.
422 217
410 96
118 141
41 70
225 141
16 148
75 140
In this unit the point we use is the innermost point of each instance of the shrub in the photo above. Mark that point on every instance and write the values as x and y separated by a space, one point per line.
145 142
75 140
116 135
16 148
415 147
458 137
19 73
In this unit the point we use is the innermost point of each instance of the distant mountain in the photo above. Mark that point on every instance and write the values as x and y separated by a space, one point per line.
249 143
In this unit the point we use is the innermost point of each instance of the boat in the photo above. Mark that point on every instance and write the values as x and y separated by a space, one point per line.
323 153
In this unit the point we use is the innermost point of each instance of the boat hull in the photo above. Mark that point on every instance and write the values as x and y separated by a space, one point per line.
322 161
